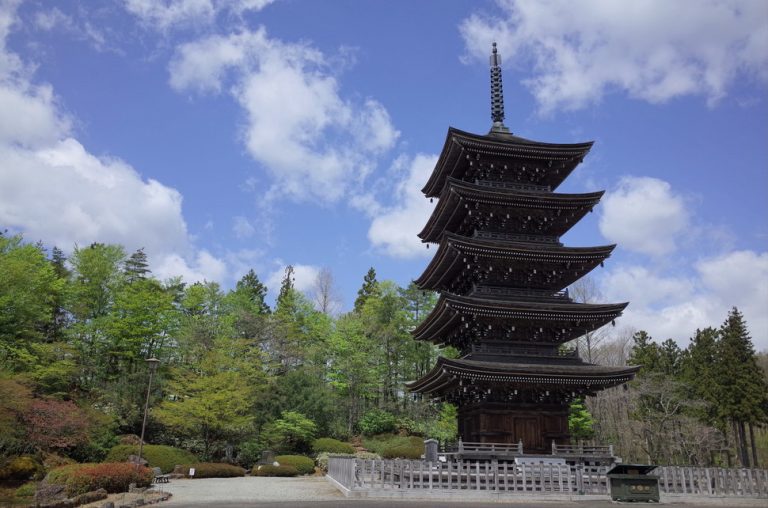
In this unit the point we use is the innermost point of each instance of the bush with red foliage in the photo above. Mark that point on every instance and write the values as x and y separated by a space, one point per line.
55 424
110 476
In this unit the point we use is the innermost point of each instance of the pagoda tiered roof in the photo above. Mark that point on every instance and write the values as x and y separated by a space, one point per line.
455 376
465 208
504 158
461 320
462 262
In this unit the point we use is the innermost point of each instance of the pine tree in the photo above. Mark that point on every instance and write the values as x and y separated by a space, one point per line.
55 329
286 298
251 287
743 392
644 352
698 363
136 267
370 288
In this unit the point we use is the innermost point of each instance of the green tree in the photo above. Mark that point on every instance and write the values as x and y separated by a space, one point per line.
581 425
370 288
742 389
292 432
136 267
29 291
212 400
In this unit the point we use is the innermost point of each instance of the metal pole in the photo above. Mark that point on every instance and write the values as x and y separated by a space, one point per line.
152 366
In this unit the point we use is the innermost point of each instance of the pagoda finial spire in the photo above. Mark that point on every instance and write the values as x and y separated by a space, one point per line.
497 93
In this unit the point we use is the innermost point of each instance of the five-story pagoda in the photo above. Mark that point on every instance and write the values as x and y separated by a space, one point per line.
502 275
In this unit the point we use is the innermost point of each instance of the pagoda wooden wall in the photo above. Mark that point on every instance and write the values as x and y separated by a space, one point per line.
536 426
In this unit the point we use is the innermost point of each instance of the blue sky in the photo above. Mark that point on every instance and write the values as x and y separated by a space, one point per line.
223 135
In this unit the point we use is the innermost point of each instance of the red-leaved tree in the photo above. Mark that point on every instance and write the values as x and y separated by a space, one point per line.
55 424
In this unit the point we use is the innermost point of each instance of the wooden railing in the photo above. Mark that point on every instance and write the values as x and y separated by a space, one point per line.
580 450
468 475
712 481
490 475
470 448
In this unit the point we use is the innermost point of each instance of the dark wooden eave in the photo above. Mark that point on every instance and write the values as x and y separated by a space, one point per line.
453 160
451 209
457 252
447 376
453 314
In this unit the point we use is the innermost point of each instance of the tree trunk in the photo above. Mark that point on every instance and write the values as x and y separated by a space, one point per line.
755 463
743 446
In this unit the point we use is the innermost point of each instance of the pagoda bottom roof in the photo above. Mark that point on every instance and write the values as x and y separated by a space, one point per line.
447 375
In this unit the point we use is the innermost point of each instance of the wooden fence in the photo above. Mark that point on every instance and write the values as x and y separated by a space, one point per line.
492 476
713 481
466 475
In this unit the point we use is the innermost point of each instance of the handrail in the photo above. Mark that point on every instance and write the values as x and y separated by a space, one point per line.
580 449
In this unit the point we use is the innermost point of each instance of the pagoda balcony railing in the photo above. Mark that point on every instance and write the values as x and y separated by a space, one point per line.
513 185
536 294
514 350
491 235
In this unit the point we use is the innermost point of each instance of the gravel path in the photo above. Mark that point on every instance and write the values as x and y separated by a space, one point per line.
249 489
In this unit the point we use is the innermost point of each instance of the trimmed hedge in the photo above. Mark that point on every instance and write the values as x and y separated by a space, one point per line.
210 470
164 457
275 471
20 469
330 445
304 465
378 444
413 448
112 476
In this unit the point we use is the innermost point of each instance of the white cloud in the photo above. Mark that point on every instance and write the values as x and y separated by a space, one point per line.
653 50
643 215
394 229
304 277
642 287
242 227
315 144
52 189
165 14
674 306
204 267
54 19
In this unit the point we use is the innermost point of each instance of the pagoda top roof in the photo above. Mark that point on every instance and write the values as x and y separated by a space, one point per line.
456 190
446 374
502 145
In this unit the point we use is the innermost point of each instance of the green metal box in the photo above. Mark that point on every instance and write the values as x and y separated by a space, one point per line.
631 482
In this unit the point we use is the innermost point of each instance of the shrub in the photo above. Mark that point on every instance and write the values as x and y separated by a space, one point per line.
210 470
378 444
20 469
330 445
304 465
164 457
275 471
377 421
111 476
53 460
26 490
250 452
412 448
291 432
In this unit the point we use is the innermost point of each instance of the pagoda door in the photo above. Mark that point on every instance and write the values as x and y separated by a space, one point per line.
527 430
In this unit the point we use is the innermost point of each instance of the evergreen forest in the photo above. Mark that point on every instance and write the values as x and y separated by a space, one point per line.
237 376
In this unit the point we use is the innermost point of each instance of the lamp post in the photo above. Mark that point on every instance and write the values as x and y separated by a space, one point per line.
152 363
